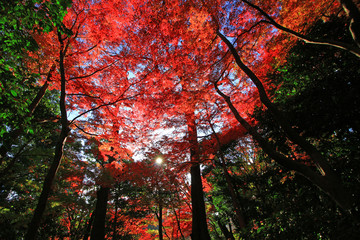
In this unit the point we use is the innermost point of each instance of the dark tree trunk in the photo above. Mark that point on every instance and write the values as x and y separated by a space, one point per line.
160 221
230 185
354 15
178 223
225 231
199 224
234 199
49 179
98 228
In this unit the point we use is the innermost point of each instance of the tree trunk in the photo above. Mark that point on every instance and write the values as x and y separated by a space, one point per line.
178 222
199 224
234 199
98 228
225 231
160 221
5 148
230 185
354 15
49 179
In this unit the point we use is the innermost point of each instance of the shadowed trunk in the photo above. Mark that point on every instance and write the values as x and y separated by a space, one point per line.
354 15
49 179
98 228
225 231
199 224
160 220
178 223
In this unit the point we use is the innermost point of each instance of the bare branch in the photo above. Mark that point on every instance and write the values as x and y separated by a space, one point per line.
85 51
82 95
81 129
93 73
353 49
100 106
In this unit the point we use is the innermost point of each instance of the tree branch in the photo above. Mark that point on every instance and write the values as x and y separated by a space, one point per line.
353 49
100 106
93 73
328 181
354 14
81 129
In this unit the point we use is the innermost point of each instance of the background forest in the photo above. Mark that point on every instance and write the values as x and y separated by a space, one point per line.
179 119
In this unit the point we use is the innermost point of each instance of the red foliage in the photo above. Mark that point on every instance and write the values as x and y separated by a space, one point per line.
136 67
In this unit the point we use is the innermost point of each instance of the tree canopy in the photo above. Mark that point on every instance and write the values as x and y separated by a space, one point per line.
251 106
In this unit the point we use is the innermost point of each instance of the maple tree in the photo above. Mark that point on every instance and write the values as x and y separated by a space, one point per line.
186 76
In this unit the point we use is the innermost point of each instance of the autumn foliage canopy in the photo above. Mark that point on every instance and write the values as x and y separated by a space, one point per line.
94 91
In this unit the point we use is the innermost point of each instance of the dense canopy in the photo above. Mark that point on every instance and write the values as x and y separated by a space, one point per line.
179 119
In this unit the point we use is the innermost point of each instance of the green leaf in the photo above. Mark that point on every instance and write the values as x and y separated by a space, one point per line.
2 131
13 93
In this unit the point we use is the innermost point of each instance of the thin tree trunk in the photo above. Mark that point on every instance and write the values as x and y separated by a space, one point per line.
230 185
49 179
41 92
235 202
354 15
4 149
98 228
178 223
160 221
225 231
228 234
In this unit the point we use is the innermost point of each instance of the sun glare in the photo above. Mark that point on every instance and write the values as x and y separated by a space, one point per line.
159 160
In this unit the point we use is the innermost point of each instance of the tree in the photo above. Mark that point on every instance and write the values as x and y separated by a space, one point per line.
21 20
69 48
328 181
58 151
186 76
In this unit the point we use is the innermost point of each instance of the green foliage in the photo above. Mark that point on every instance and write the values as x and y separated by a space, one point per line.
27 141
319 84
276 204
18 20
319 93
